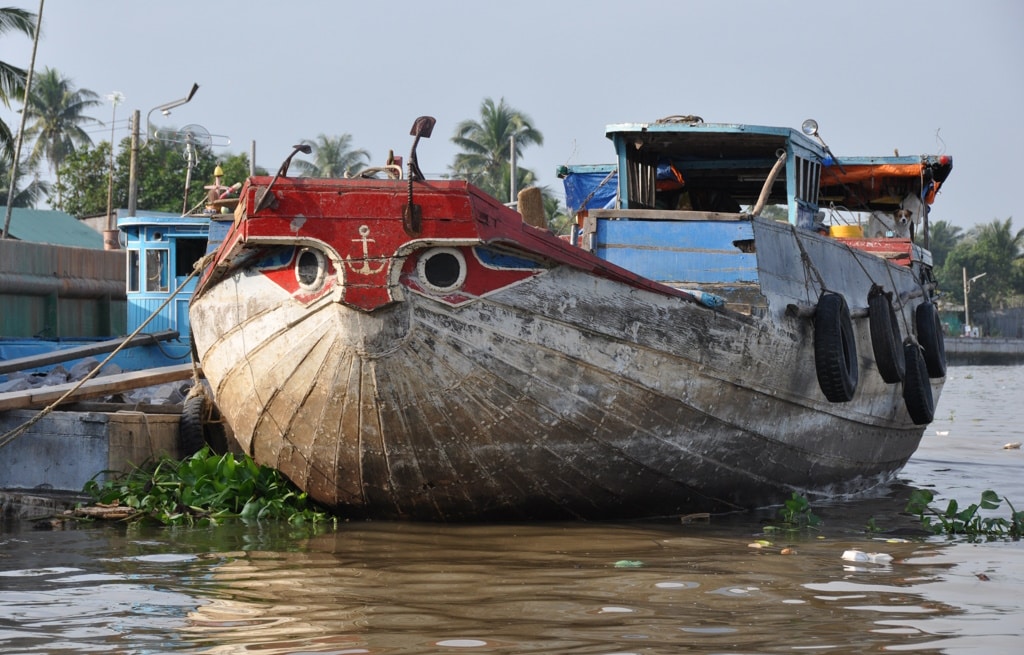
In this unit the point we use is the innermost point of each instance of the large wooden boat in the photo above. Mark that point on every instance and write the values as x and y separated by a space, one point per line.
415 349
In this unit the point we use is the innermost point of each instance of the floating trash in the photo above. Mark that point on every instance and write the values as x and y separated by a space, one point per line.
860 556
628 564
462 643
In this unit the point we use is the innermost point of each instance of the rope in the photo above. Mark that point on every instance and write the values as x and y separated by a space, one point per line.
18 431
857 254
583 205
808 265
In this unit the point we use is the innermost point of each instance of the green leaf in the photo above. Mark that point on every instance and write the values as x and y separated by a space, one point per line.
990 500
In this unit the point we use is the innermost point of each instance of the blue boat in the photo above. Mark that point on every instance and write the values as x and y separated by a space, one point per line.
737 316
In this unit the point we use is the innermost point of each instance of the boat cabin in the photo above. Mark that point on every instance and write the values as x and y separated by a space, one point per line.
161 250
697 186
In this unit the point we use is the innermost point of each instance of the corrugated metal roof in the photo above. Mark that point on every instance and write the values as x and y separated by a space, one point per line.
50 226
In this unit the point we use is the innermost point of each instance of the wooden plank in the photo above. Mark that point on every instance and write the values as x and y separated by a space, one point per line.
666 215
100 386
77 352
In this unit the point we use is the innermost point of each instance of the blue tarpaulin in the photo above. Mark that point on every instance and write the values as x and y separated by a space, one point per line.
595 185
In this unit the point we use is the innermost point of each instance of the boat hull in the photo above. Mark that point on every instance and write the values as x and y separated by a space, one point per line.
565 394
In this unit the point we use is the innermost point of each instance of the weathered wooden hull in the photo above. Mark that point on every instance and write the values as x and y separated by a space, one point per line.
564 394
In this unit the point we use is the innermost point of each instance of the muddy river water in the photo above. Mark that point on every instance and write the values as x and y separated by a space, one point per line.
718 586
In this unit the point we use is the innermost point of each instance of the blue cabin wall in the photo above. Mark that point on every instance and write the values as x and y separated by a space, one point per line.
702 252
161 253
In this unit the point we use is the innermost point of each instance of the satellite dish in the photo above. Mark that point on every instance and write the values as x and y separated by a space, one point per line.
191 138
193 135
197 135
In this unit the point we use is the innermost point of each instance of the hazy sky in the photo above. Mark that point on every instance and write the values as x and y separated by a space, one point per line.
939 77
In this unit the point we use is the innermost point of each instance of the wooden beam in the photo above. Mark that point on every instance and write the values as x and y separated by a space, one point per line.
77 352
666 215
100 386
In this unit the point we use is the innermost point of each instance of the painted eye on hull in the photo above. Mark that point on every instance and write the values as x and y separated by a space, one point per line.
310 269
442 270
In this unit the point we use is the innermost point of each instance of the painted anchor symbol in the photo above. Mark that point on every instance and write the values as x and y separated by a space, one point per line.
365 269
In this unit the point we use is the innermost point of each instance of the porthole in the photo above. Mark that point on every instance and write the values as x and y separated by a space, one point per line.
442 270
310 269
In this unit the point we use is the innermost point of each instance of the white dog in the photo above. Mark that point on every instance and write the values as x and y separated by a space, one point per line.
901 223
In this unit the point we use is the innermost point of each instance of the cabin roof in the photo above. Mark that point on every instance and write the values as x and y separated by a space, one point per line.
711 140
52 226
168 219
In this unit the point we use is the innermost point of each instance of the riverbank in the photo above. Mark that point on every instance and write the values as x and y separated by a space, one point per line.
984 351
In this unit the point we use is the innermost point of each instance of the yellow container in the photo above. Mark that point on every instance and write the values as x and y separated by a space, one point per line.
846 231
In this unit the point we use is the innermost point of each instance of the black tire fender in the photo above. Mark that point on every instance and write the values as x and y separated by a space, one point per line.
917 387
835 348
191 434
929 336
886 342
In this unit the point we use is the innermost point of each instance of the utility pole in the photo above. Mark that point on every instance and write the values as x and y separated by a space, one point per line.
513 192
967 290
110 237
133 182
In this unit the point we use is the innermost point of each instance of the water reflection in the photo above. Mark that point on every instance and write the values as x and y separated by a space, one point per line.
561 589
539 588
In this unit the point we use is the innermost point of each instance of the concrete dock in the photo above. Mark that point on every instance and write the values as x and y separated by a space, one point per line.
44 469
984 350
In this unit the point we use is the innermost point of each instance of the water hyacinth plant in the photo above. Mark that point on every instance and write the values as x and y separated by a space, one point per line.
205 488
968 521
796 515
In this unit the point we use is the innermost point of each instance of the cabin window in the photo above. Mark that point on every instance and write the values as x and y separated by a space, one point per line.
808 177
187 252
156 269
133 271
641 175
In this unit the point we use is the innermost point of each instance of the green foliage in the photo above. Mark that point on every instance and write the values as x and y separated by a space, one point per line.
332 157
56 110
776 212
161 173
24 196
968 521
942 238
558 216
485 159
795 515
205 488
236 169
12 78
995 249
83 184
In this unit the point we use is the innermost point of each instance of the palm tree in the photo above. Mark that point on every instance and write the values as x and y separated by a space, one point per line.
332 157
558 216
58 111
29 196
12 78
484 159
991 248
943 237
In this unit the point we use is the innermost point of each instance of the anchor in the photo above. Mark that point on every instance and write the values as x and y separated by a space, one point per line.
365 269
